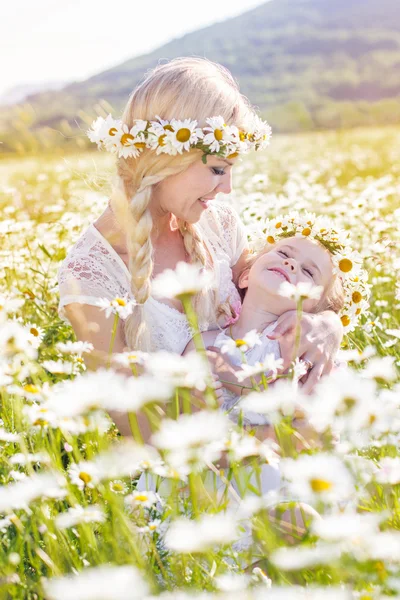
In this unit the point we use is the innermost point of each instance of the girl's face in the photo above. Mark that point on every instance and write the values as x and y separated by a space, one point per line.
294 260
188 194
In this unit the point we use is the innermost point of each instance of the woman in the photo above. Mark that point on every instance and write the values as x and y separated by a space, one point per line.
163 211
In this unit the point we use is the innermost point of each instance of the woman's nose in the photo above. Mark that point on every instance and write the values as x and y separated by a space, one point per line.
225 185
291 263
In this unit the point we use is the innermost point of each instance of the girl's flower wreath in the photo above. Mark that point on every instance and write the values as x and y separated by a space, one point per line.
347 262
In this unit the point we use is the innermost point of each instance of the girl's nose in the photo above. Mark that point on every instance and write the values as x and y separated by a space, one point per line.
289 262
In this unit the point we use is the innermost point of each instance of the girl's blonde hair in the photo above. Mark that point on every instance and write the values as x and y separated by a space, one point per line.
331 299
182 88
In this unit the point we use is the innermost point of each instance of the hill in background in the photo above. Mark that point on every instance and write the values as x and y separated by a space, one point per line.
305 63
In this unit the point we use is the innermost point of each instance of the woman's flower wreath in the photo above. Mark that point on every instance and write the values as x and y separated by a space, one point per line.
347 262
175 136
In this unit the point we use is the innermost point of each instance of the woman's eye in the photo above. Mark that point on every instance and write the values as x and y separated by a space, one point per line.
310 273
218 171
282 253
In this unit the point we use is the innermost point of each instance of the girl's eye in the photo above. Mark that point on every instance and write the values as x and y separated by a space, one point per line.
310 273
217 171
283 253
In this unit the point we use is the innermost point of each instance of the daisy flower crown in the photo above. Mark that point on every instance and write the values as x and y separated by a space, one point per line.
176 136
347 261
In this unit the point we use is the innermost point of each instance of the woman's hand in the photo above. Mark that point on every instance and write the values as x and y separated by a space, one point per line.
321 335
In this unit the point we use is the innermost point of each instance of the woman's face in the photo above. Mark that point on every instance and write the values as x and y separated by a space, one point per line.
188 194
294 260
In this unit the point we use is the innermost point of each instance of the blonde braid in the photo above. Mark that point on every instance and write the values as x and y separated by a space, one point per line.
207 303
136 219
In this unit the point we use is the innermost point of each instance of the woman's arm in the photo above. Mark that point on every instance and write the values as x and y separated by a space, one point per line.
91 325
321 335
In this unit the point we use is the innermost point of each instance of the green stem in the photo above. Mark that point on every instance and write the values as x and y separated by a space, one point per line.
136 433
113 334
299 312
198 342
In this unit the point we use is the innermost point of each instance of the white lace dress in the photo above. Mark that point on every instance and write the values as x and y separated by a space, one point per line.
93 270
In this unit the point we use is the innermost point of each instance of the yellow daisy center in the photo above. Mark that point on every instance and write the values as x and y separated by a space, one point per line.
345 320
278 225
140 145
183 135
345 265
168 128
34 331
31 389
141 498
112 131
270 240
218 134
349 402
117 487
85 477
120 301
240 343
126 139
306 231
356 297
161 140
320 485
234 155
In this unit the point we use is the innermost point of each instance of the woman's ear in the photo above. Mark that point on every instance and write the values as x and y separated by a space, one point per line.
243 280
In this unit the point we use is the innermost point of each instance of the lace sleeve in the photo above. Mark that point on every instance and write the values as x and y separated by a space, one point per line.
82 280
233 232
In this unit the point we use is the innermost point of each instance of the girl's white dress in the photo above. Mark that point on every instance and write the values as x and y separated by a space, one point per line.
93 270
257 353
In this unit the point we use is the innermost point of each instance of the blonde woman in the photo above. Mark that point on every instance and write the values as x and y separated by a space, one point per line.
163 210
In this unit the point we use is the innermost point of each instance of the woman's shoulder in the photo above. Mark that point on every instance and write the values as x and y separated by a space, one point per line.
92 258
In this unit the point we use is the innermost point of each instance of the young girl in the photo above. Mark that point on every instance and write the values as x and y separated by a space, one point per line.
313 255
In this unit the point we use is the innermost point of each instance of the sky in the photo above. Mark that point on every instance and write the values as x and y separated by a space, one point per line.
70 40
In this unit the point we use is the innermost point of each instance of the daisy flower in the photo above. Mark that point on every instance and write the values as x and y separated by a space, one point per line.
84 474
35 334
219 134
318 477
117 306
77 515
143 498
186 279
301 291
103 583
187 536
183 135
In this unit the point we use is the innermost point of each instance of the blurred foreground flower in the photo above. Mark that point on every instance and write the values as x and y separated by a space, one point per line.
187 279
98 583
186 536
118 306
300 291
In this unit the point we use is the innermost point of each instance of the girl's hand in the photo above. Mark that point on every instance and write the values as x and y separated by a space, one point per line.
321 335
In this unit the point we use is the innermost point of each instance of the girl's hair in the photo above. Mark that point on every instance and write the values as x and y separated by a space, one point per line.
183 88
331 299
